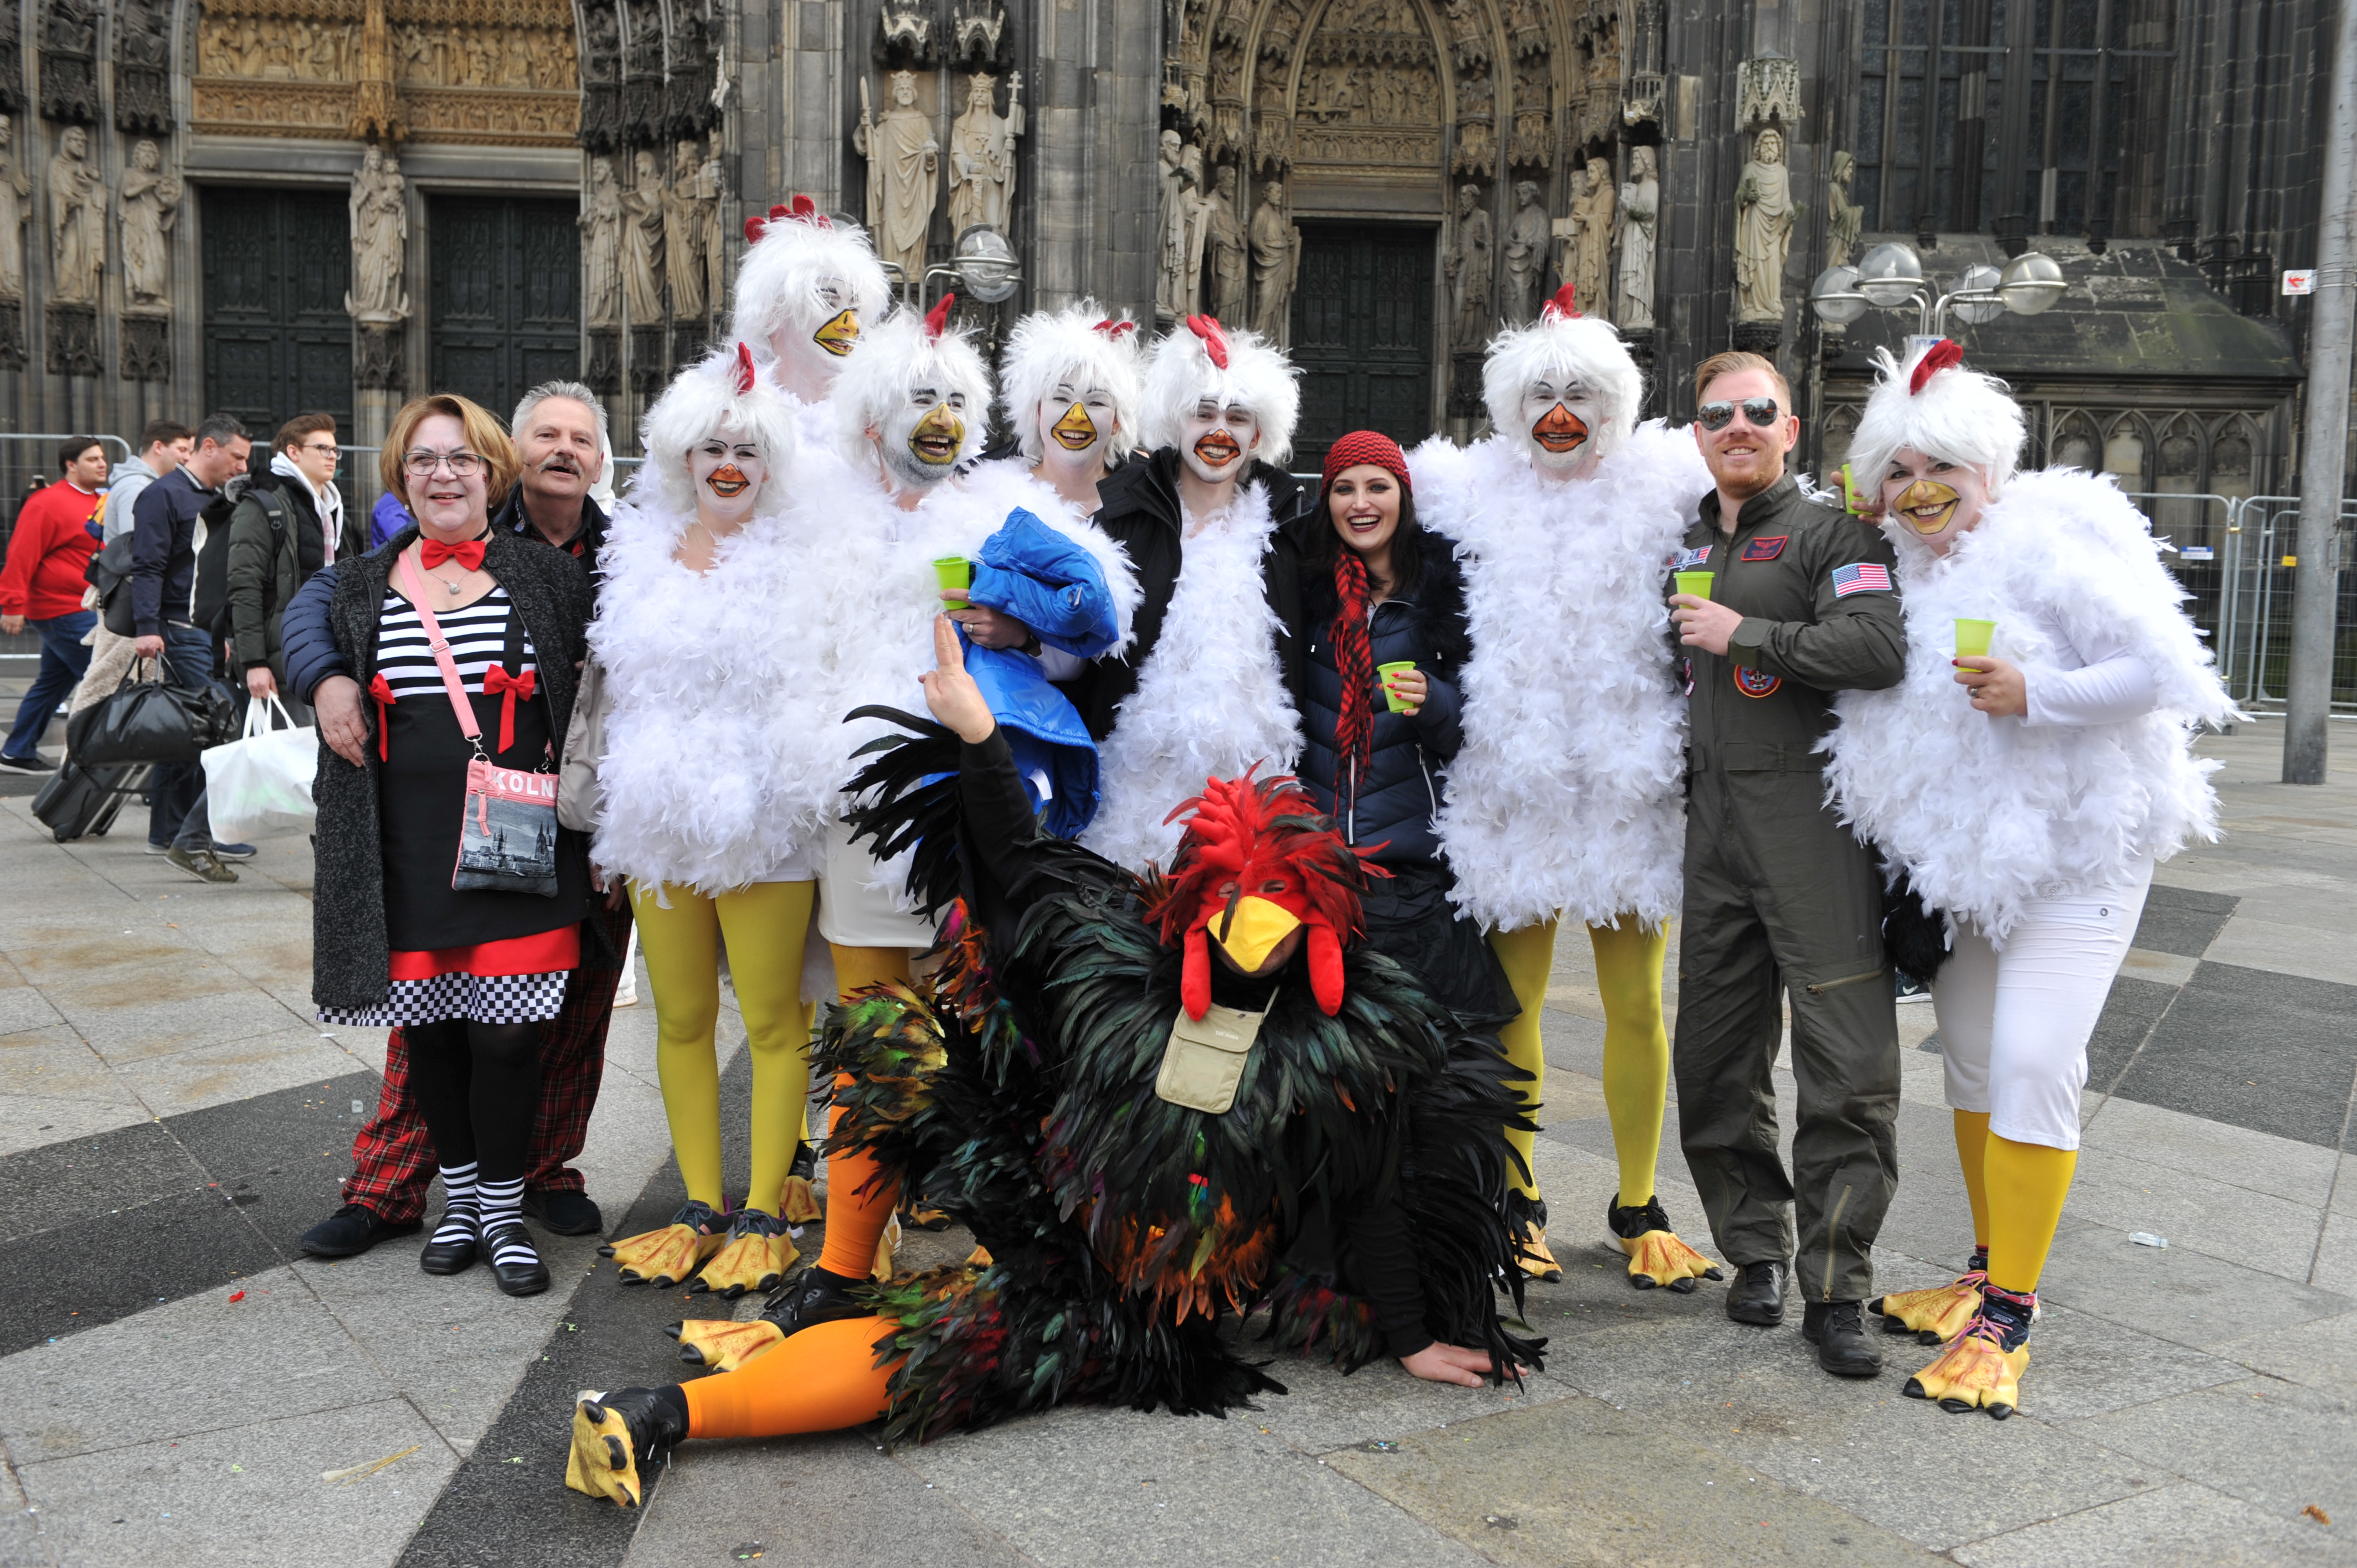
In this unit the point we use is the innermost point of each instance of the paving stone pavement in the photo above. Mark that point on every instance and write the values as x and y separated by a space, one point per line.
171 1119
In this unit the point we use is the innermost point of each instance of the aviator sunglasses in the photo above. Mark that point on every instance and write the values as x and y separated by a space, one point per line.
1758 412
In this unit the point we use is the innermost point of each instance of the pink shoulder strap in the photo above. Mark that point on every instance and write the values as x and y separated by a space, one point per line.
441 646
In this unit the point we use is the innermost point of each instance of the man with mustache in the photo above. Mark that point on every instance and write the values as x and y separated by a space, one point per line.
1780 896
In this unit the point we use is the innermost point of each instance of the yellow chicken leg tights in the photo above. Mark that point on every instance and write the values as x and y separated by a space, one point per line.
1971 1152
2027 1184
1527 955
855 1220
764 924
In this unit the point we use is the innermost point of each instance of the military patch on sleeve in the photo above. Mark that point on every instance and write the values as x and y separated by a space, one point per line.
1754 683
1688 560
1861 577
1763 549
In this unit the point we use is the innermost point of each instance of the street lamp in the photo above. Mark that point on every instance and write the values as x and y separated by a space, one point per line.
983 264
1891 277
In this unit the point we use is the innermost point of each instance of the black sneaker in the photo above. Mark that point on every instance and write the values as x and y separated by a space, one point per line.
351 1231
563 1212
1837 1328
812 1297
233 851
203 863
619 1438
27 764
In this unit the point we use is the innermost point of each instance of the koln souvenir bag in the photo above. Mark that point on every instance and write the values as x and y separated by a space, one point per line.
508 840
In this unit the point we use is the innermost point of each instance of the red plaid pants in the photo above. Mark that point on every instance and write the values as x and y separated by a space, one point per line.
393 1157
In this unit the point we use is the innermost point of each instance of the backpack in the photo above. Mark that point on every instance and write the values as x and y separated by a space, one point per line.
212 560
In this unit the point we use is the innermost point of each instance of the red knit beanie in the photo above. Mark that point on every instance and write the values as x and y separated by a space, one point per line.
1365 447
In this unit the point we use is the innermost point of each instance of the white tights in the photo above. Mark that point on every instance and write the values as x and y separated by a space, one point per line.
2015 1022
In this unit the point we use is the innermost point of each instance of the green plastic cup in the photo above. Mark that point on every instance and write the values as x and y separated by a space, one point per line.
1973 637
1384 672
1695 583
955 573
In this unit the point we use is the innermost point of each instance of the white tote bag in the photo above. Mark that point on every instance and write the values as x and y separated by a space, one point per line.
261 784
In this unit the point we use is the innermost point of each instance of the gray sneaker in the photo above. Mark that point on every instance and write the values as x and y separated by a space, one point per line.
201 863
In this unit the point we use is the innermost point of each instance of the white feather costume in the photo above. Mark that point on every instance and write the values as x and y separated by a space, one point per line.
1212 700
1985 814
1566 794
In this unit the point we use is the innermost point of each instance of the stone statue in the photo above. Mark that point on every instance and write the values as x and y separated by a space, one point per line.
1198 203
1170 295
77 221
1276 263
1526 251
1593 213
1467 267
684 235
642 242
601 247
1641 205
1846 221
1230 258
1764 215
710 188
16 187
981 155
903 170
379 230
151 201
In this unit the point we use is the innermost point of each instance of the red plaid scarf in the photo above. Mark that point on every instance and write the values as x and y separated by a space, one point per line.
1354 660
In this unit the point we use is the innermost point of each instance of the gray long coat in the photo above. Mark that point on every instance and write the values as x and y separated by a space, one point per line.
351 959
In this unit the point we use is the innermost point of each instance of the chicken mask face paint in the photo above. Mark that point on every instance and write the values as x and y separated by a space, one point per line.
1936 501
923 436
1559 423
1076 424
824 333
1215 440
728 471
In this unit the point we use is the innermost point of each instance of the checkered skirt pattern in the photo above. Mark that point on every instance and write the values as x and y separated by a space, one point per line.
475 998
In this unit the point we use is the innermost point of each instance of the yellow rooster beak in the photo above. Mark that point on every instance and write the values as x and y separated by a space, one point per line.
1252 931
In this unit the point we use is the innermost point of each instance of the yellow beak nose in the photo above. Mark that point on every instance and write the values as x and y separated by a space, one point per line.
1251 933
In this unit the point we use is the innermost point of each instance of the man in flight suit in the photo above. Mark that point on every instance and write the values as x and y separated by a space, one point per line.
1779 895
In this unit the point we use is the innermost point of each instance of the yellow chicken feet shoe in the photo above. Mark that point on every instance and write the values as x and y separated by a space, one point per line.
797 1202
885 1245
664 1258
978 1259
1656 1257
722 1345
1982 1367
1938 1314
619 1437
1528 1217
755 1257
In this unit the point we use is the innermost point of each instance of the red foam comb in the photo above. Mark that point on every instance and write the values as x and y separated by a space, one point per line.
939 315
1942 356
1114 330
803 211
1564 306
1215 337
744 370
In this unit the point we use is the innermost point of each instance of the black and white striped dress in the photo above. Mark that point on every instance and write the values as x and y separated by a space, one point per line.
491 957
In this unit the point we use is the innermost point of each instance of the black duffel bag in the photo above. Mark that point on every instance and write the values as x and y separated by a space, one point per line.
109 571
151 721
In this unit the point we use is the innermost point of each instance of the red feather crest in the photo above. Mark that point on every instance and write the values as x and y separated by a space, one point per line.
1942 356
938 317
1115 329
1564 306
744 369
803 211
1215 337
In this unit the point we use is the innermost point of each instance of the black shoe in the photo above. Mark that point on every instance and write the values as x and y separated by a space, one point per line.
563 1213
452 1257
1757 1294
27 764
620 1438
226 852
525 1275
812 1297
1837 1328
351 1231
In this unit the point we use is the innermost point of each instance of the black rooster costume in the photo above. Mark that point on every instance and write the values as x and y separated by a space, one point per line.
1036 1090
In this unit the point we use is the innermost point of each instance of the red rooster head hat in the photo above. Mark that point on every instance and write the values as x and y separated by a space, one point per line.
1257 862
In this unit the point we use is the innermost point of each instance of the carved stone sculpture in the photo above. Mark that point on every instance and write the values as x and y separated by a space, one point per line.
903 174
1467 268
1231 260
151 203
142 52
69 53
1846 221
1170 296
16 189
1198 203
77 221
1277 263
684 235
1641 206
981 155
1593 213
601 247
380 234
1764 215
642 246
1526 252
711 188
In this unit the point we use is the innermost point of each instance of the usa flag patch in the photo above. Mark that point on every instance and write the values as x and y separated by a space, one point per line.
1687 560
1861 577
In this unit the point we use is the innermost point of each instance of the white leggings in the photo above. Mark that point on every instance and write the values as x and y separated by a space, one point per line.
2015 1022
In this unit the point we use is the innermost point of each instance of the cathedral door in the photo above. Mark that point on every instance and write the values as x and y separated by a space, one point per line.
1362 335
506 296
277 342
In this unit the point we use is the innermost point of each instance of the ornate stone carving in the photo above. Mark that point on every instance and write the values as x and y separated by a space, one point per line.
376 357
1171 298
1277 263
684 230
694 69
604 372
1533 143
978 34
271 109
1231 256
151 203
903 176
601 247
1593 214
375 115
12 100
142 61
378 211
146 344
77 224
648 372
69 68
711 190
1527 29
643 252
1468 34
1272 125
13 350
1198 204
1526 252
1641 205
1370 93
981 155
1600 115
1764 215
642 72
1467 268
502 119
15 192
906 27
1767 88
1227 139
1845 218
601 75
1477 129
73 339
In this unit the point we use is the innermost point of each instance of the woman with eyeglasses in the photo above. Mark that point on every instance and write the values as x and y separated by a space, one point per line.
466 976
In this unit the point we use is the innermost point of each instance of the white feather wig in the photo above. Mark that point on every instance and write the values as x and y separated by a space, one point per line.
796 250
1184 368
1082 345
722 389
1562 345
1959 414
907 352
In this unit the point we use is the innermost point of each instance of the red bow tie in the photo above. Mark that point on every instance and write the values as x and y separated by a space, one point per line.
498 680
469 554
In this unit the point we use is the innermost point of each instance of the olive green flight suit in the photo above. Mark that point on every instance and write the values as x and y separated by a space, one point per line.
1780 898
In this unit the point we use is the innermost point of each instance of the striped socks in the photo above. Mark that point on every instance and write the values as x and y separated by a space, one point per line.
461 1219
503 1228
